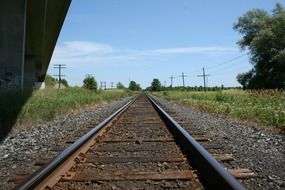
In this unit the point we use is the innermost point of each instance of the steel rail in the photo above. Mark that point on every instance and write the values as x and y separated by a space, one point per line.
209 168
45 171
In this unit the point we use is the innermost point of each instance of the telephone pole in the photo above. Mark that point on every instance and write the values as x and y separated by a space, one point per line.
59 75
171 79
183 76
204 75
101 84
112 85
105 85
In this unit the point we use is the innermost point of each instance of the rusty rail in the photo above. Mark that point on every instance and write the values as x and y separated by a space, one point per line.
50 167
212 173
210 169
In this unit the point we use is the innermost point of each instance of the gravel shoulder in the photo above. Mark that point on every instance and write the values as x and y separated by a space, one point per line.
256 148
19 152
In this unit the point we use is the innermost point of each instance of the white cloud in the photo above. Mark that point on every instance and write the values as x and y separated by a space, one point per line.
81 48
93 52
199 50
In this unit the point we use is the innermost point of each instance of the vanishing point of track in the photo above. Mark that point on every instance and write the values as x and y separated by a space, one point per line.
138 147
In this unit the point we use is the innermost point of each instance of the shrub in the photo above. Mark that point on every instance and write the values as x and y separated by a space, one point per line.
90 83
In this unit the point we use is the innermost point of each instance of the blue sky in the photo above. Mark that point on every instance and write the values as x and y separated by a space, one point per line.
123 40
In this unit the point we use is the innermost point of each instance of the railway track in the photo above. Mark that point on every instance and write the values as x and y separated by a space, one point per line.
138 147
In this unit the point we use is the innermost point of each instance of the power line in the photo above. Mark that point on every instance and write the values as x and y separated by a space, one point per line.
204 75
217 65
193 73
225 62
59 67
229 67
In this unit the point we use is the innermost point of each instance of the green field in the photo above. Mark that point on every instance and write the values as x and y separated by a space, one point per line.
264 107
44 105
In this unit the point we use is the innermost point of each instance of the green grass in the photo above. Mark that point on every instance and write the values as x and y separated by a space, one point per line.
45 105
264 107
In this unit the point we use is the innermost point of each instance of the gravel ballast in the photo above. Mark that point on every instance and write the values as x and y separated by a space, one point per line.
19 152
255 148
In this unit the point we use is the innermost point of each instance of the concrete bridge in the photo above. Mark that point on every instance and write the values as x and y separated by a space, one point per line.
29 30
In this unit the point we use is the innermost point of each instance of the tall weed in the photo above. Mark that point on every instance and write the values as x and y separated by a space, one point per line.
266 107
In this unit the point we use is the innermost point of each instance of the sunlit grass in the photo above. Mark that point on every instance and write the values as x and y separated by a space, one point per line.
44 105
265 107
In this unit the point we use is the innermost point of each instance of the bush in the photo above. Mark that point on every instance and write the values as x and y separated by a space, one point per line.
155 85
90 83
120 86
221 97
133 86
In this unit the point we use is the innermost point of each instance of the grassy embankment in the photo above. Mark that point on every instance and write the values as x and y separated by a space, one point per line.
263 107
45 105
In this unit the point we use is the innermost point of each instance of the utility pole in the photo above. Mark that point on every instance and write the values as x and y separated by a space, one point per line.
164 83
171 81
183 76
105 85
59 75
204 75
112 85
101 84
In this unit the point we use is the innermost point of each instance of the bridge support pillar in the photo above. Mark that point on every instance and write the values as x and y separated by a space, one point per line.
12 43
29 30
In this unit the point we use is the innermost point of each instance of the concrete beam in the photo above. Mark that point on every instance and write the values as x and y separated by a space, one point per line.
12 35
29 30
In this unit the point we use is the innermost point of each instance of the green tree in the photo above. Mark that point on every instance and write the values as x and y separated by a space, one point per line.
64 82
120 86
245 78
155 85
134 86
90 83
264 37
49 81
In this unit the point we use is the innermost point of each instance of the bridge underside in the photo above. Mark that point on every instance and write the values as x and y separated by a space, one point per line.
29 30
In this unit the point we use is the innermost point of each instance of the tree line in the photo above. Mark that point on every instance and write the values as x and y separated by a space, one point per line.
89 82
